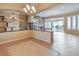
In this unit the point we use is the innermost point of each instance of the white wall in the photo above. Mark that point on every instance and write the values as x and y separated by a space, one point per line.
12 36
42 35
18 35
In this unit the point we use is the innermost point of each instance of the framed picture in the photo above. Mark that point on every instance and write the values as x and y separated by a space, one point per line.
1 18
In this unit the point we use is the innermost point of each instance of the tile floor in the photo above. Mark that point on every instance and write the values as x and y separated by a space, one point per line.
63 45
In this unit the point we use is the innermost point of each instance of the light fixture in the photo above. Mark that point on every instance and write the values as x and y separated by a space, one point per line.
33 8
30 9
12 17
31 12
25 10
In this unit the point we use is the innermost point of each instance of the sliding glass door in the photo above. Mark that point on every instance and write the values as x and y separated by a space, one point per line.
55 26
58 25
48 25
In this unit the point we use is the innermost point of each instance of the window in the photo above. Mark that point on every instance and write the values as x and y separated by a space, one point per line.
69 22
35 24
55 25
78 22
60 25
48 24
73 22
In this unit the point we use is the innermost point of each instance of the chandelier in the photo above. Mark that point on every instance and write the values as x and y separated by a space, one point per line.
12 17
29 9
